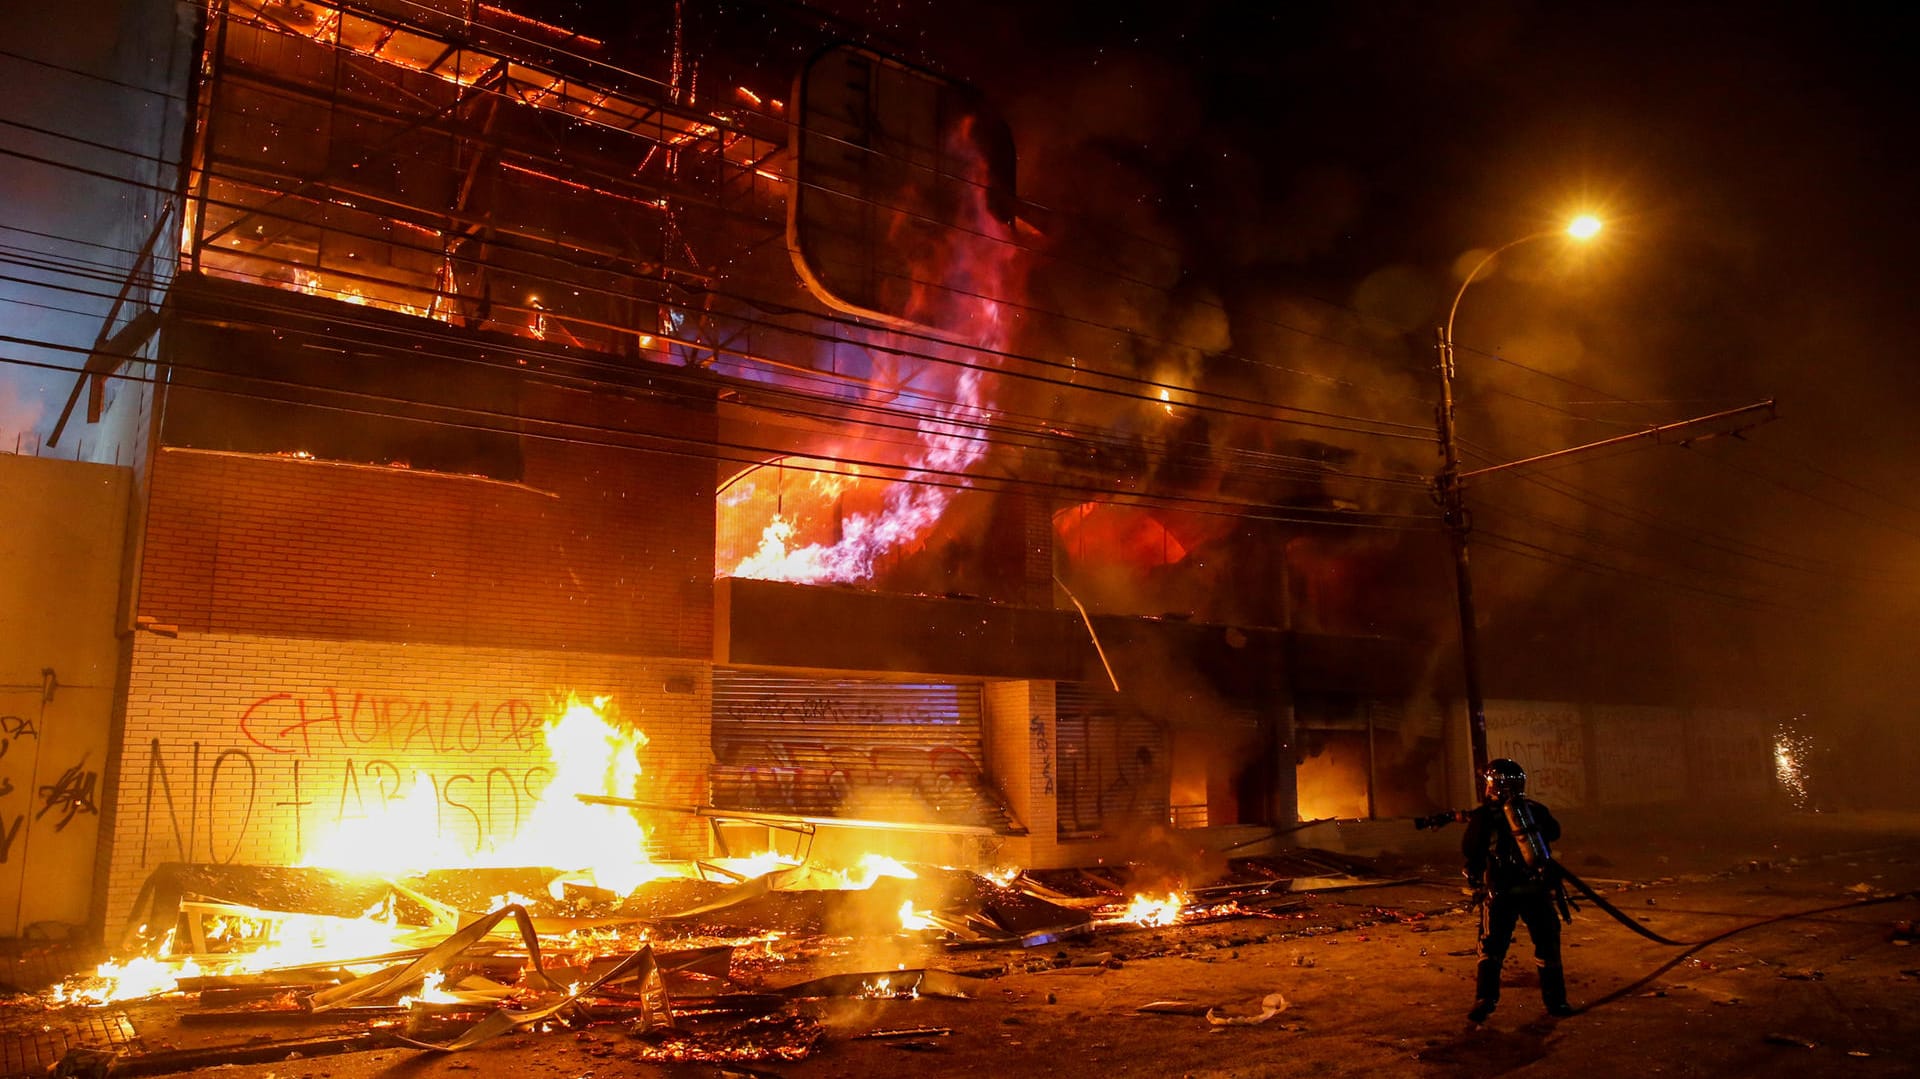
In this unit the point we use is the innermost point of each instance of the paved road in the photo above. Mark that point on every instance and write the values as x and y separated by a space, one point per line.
1805 971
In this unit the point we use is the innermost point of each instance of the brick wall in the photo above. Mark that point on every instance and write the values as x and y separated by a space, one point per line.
344 628
245 748
601 549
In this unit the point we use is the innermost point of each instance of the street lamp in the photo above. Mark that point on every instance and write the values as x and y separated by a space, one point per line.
1452 504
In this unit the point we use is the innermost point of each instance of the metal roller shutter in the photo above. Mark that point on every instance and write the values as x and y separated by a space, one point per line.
1114 766
855 748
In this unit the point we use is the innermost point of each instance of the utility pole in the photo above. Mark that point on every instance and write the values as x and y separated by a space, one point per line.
1453 512
1449 489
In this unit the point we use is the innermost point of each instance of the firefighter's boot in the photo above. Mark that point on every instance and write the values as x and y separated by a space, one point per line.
1553 990
1486 989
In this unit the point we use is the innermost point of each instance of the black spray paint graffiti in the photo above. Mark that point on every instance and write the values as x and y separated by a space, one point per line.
482 810
72 794
822 778
1111 775
1042 752
12 728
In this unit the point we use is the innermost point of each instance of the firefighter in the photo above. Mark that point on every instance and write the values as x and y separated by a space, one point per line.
1511 869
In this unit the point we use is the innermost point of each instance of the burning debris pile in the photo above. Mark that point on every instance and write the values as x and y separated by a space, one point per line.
687 957
689 967
685 965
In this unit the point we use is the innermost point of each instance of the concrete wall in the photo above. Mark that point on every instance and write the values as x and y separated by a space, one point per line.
1639 754
1621 755
1548 739
60 557
1729 754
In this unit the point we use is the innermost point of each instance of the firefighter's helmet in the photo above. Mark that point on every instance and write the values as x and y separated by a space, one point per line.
1505 780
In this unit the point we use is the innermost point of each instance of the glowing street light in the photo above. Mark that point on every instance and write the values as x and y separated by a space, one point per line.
1452 504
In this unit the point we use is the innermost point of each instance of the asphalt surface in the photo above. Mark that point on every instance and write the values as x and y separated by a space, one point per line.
1803 963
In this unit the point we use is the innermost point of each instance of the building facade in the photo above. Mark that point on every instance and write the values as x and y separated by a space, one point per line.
502 362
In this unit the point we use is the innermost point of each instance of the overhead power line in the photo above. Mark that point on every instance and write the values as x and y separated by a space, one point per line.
618 437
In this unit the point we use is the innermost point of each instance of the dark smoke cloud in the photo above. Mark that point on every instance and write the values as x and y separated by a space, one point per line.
1760 244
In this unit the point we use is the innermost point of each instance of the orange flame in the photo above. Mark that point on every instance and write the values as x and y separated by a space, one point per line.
589 755
913 920
1153 910
961 272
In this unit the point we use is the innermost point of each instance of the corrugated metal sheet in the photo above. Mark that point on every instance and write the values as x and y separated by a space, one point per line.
1114 763
858 748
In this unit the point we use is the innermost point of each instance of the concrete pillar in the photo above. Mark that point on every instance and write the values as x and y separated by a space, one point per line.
1285 806
1022 761
1463 786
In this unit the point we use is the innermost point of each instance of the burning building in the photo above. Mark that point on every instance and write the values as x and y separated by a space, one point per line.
507 355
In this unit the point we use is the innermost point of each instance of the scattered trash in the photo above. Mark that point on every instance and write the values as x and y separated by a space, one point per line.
1300 960
1174 1007
1858 1053
1803 974
1862 888
1793 1040
927 981
905 1032
1270 1005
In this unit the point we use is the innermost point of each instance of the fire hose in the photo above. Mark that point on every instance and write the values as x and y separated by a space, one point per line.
1562 873
1560 876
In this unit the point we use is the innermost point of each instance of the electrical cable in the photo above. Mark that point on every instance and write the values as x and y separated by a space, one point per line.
1157 449
456 416
1398 430
1104 268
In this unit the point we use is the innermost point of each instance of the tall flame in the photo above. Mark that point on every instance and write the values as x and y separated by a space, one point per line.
960 273
589 754
950 445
